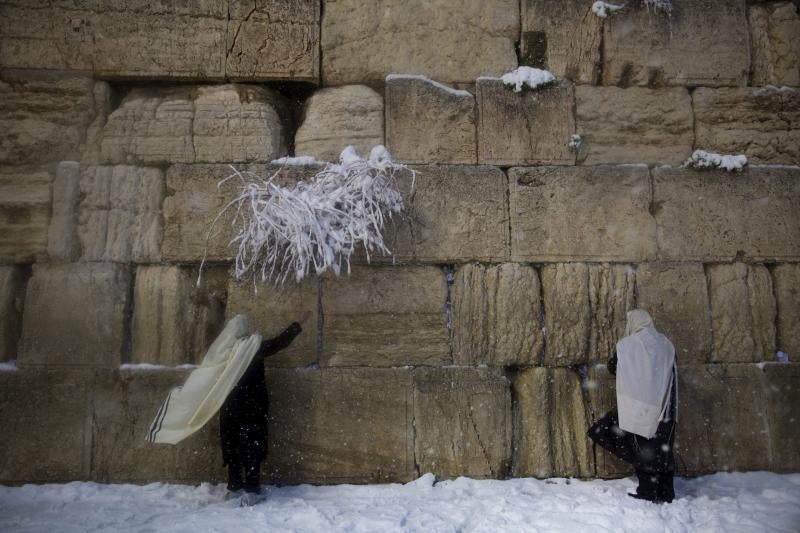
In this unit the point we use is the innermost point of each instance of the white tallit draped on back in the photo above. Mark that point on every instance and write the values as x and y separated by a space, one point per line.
645 368
190 407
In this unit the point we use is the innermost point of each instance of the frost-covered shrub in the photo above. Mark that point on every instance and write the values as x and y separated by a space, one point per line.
528 78
664 6
709 160
316 224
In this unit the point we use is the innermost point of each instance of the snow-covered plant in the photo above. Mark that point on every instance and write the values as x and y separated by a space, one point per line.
709 160
316 224
604 9
528 77
575 142
664 6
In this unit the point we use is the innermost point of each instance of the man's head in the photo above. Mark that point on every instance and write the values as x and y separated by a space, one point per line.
638 319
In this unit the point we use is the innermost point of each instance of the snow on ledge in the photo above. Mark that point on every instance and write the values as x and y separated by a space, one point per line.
147 366
527 76
709 160
604 9
9 366
774 89
299 161
439 85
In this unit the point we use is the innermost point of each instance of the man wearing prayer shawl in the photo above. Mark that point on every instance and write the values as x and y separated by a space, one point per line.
229 380
641 430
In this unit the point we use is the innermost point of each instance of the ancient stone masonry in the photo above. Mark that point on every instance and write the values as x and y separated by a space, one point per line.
535 221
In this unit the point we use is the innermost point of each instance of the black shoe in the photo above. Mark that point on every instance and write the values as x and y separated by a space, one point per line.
653 499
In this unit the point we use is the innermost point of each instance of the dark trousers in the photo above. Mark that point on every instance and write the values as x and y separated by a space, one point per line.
243 444
653 459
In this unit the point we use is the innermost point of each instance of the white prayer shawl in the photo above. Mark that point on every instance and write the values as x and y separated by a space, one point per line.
645 366
190 407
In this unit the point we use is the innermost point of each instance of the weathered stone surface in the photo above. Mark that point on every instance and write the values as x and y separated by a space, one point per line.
462 418
602 387
12 298
46 419
363 42
43 115
457 214
782 394
676 297
584 310
763 124
719 216
552 422
722 423
24 213
63 243
340 425
270 40
174 321
75 316
125 403
427 122
160 39
774 43
530 127
635 125
120 213
194 200
205 124
742 313
573 214
562 36
786 278
385 316
337 117
272 309
689 47
497 315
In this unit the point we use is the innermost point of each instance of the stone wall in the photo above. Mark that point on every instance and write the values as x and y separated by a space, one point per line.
537 220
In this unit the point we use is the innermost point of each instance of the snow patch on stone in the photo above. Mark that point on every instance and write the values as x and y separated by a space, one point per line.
527 77
604 9
438 85
710 160
8 366
299 161
147 366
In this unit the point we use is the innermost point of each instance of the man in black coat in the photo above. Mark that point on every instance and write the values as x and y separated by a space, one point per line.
243 417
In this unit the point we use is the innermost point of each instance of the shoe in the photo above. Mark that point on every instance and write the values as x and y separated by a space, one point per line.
249 499
234 494
653 499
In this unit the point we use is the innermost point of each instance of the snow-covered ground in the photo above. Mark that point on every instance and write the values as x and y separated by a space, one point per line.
758 501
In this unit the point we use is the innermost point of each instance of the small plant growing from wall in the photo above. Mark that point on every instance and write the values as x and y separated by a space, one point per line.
283 232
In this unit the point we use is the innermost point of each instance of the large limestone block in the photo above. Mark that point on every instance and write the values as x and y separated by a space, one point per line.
46 419
526 128
24 213
676 296
174 320
762 123
782 387
457 214
272 309
160 39
12 299
120 215
775 43
602 389
462 419
63 243
563 36
125 403
340 425
742 313
269 40
195 198
585 309
205 124
720 216
703 42
786 278
573 214
497 314
337 117
635 125
428 122
363 42
552 419
75 316
722 423
385 316
43 115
